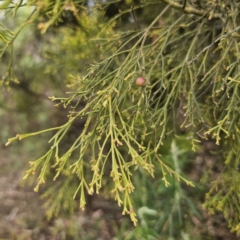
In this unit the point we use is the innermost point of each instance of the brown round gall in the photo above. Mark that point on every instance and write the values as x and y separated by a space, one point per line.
140 81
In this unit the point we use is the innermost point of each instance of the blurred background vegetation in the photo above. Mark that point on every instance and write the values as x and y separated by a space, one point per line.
39 66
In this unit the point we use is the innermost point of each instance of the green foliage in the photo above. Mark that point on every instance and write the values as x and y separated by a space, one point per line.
189 56
173 203
63 192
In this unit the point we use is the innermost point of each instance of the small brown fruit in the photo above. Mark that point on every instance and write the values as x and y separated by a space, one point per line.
141 81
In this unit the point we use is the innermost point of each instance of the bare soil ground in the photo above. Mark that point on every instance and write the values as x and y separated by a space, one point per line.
22 213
